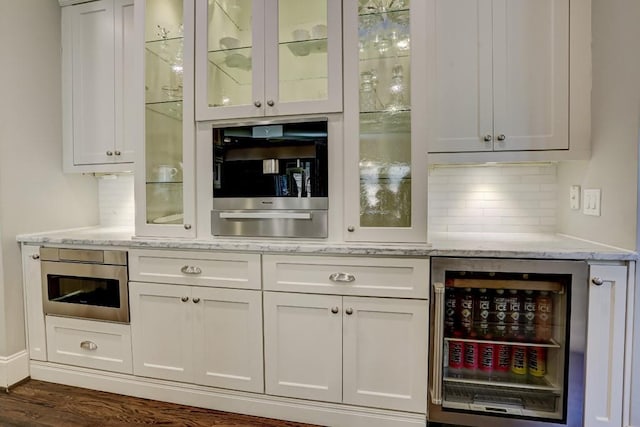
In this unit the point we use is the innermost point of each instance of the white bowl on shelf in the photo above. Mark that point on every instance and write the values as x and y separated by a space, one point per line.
229 43
319 31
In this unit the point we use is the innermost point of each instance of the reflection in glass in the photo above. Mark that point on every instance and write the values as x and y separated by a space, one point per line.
385 117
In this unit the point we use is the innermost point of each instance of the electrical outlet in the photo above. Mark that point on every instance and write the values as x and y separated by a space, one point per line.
574 197
591 202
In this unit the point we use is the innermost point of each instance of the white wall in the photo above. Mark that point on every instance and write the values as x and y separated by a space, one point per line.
614 127
34 194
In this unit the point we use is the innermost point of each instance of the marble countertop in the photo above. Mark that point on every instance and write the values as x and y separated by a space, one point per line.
502 245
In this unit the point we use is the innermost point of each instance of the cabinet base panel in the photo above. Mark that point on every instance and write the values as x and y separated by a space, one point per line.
320 413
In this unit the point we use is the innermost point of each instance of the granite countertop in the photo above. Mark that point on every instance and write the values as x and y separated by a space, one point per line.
503 245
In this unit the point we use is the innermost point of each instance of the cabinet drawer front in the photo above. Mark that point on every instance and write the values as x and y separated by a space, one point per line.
224 270
387 277
98 345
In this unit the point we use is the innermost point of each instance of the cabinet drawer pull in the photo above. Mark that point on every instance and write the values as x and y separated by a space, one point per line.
190 269
342 277
88 345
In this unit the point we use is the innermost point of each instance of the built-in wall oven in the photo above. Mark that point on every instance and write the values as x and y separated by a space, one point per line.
85 283
508 339
271 180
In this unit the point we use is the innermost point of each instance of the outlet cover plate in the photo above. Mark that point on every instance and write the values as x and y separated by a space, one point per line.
591 202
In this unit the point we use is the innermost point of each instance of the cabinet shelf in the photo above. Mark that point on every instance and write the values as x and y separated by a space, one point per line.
385 122
171 109
168 50
306 47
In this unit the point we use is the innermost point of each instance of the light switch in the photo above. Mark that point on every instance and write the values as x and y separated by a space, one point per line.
574 197
591 202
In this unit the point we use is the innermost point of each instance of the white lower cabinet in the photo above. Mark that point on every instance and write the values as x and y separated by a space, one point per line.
355 350
199 335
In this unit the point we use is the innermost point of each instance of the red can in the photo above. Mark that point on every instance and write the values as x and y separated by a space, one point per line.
487 358
456 355
471 355
503 359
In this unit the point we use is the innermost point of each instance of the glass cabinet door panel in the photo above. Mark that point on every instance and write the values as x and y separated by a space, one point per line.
230 53
302 50
385 113
164 49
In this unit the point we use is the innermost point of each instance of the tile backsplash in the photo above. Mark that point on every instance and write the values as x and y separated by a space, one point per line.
502 198
116 201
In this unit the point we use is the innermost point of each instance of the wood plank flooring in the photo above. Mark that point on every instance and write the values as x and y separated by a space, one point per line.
39 404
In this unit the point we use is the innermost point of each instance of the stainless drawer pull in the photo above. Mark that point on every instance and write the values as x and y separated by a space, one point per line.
342 278
88 345
190 269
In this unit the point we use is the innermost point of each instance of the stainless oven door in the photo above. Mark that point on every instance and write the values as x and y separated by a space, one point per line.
92 291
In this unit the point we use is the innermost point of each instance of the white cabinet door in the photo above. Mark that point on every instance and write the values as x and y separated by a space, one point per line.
531 74
125 49
605 346
500 72
161 331
92 50
32 278
227 334
303 346
385 353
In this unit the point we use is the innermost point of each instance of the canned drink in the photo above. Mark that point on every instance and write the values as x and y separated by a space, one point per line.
487 357
537 361
456 355
519 360
503 359
470 355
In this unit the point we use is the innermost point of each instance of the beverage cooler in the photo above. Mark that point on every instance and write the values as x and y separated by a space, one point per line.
508 342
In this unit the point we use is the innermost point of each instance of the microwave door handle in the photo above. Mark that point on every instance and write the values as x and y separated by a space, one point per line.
265 215
438 343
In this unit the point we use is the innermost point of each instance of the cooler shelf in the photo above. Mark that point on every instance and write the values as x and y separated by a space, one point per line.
531 400
510 381
550 344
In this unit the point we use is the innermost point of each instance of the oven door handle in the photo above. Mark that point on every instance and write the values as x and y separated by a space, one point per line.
265 215
438 343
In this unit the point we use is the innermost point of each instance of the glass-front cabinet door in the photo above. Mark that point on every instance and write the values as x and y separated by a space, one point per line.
259 58
165 169
385 120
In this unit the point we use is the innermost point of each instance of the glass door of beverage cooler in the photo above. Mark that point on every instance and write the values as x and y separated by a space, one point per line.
504 341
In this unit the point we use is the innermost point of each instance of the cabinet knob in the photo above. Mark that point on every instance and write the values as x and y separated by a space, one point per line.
35 256
109 153
488 138
349 311
351 229
270 103
184 299
597 281
187 226
117 152
501 137
88 345
196 300
335 310
258 104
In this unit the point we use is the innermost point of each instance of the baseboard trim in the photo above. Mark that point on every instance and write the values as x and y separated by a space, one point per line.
13 369
225 400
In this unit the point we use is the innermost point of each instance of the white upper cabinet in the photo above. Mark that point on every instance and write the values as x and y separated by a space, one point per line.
97 78
503 79
385 131
259 58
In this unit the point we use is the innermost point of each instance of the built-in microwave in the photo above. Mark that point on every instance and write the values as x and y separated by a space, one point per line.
270 180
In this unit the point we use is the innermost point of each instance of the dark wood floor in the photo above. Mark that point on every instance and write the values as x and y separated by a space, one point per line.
38 404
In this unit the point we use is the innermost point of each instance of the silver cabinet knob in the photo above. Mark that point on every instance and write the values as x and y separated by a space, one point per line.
184 299
335 310
196 300
117 152
258 104
35 256
187 226
109 153
349 311
351 229
501 137
88 345
270 103
488 138
597 281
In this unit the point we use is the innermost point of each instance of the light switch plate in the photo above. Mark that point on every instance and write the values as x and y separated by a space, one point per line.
591 202
574 197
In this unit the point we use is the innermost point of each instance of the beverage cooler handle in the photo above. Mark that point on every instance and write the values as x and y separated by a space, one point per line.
438 344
